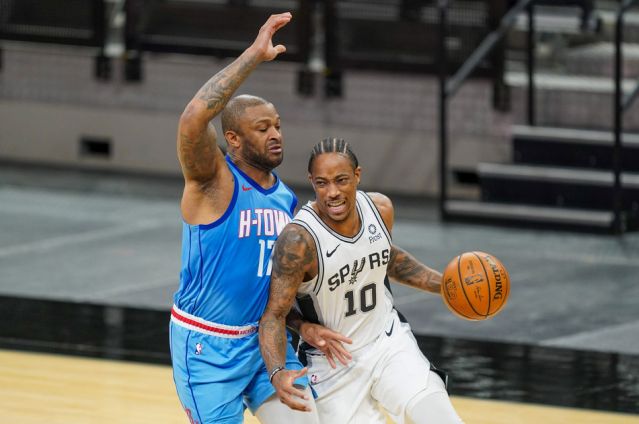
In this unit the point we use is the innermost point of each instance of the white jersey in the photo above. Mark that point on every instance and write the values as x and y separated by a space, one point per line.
348 295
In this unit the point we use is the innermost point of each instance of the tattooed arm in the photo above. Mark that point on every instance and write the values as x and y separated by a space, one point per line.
200 158
294 256
405 269
402 266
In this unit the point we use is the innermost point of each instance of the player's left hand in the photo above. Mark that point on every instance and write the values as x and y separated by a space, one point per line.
284 384
329 342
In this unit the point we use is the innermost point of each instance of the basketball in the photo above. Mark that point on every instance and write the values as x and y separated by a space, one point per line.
475 286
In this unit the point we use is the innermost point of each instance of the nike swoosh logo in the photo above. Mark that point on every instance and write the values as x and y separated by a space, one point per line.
246 188
389 332
329 254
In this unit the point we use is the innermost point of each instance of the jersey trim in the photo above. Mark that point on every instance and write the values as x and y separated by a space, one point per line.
252 182
227 212
334 233
320 259
294 202
194 323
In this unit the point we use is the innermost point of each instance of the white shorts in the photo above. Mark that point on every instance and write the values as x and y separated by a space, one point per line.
388 373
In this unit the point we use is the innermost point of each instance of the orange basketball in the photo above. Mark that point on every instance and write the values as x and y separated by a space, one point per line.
475 285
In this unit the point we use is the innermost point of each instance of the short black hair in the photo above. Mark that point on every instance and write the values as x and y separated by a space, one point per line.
235 108
333 145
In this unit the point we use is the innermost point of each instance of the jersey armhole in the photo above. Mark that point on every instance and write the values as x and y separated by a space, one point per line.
378 215
320 262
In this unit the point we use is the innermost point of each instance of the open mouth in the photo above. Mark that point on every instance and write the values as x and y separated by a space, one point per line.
336 207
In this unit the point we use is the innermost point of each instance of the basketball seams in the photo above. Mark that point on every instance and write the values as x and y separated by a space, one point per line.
462 273
451 268
459 258
487 283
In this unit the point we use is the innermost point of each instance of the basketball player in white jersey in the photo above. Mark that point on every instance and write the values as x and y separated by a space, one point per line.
333 260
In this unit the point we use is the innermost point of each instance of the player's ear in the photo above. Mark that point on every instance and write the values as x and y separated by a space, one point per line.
358 173
232 138
310 179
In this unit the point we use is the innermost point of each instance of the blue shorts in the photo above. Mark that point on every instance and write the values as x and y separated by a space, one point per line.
217 378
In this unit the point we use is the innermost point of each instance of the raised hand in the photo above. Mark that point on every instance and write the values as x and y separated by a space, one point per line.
263 44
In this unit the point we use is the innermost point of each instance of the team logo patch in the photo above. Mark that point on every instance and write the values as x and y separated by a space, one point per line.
314 378
198 348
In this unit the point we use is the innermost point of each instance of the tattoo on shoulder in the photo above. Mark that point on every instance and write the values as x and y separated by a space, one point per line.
294 251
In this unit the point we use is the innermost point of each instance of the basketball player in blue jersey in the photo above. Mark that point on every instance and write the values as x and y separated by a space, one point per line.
333 260
233 208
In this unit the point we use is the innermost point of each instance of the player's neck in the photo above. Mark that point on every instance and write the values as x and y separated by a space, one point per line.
263 177
347 227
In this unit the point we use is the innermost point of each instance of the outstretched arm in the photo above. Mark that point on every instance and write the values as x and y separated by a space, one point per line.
293 256
199 155
402 266
405 269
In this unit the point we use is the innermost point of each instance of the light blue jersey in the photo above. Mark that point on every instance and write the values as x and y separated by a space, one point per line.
224 287
226 265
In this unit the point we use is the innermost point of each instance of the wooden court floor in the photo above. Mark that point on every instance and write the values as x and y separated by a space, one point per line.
37 388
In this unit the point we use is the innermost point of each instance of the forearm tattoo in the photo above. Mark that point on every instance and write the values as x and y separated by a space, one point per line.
405 269
219 89
292 255
196 152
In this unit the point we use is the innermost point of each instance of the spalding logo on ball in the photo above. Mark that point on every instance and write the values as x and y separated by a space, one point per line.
475 286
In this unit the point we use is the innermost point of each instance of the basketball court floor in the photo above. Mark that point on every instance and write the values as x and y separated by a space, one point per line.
89 262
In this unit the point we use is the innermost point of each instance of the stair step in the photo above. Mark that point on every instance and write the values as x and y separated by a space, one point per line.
530 215
582 83
553 186
572 147
597 59
572 101
556 174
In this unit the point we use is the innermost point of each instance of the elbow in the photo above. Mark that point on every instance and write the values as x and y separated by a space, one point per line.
191 120
270 317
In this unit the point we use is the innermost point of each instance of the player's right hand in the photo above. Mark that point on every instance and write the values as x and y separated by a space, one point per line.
284 383
263 44
329 342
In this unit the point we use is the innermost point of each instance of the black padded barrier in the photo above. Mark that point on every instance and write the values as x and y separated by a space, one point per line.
72 22
215 28
403 35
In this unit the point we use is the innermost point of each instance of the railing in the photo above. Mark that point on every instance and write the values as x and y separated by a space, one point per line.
620 105
448 87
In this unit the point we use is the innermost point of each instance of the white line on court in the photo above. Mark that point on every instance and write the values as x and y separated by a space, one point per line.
87 236
137 287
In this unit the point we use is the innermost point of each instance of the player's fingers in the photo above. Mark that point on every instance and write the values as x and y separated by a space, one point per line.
299 373
330 334
275 22
294 392
329 358
340 353
294 404
279 49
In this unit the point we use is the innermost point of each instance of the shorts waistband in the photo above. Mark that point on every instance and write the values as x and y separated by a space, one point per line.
194 323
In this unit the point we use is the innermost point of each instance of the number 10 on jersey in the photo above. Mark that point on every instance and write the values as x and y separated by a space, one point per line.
367 299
